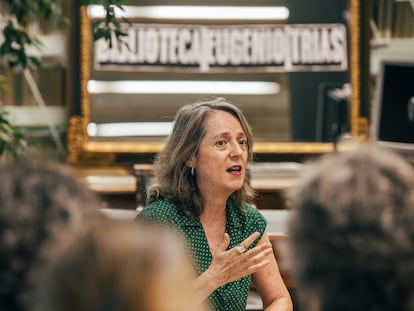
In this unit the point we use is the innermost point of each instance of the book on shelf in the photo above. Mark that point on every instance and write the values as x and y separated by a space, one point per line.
394 19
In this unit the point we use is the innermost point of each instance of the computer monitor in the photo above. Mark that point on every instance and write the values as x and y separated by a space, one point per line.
392 123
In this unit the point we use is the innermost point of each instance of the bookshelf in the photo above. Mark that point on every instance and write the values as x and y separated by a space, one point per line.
393 19
392 27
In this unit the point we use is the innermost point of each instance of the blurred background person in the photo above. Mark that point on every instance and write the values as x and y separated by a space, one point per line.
117 265
353 233
36 200
201 189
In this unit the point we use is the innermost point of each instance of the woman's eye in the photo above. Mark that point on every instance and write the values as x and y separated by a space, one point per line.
220 143
243 142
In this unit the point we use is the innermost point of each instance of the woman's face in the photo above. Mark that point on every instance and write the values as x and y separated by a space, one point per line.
222 158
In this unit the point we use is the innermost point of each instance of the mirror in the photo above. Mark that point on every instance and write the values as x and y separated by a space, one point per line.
126 108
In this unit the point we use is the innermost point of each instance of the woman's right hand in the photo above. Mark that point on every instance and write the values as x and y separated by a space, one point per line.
229 265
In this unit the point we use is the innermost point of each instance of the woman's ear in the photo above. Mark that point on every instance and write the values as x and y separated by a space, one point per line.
191 162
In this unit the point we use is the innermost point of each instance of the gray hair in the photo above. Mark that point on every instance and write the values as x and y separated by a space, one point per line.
353 233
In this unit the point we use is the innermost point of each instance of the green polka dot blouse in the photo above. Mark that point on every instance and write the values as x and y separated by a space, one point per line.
240 224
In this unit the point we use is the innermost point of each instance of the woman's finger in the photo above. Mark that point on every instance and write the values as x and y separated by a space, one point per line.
253 268
259 253
265 247
253 237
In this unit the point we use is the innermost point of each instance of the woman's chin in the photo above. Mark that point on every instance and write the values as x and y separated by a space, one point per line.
235 187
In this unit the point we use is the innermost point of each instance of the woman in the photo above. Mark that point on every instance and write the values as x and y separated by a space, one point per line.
201 189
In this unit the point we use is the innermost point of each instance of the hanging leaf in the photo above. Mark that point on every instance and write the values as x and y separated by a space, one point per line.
12 140
110 28
16 38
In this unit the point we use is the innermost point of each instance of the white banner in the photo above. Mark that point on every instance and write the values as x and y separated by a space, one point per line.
293 47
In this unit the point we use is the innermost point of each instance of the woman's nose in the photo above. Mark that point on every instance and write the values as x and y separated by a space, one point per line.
236 150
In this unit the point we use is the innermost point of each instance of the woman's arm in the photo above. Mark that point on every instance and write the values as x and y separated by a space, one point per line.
270 285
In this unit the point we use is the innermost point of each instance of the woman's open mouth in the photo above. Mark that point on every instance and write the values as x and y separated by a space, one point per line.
235 169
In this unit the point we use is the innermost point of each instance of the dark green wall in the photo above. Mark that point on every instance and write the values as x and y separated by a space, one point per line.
304 85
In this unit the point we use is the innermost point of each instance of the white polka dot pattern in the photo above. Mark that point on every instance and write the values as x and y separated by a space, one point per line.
240 224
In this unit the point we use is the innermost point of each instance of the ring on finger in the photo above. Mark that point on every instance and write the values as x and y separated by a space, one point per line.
240 248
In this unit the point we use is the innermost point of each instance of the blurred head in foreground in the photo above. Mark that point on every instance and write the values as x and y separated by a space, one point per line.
353 233
36 200
118 265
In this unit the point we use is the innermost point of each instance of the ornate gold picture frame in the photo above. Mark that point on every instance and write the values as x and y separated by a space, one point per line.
81 148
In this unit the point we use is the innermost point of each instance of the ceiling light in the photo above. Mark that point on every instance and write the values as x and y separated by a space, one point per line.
196 12
183 87
129 129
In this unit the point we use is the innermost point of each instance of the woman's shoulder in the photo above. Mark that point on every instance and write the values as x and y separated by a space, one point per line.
248 215
159 210
252 211
160 204
254 217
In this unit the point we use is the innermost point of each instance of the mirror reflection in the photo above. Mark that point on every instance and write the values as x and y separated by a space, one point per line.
268 113
282 70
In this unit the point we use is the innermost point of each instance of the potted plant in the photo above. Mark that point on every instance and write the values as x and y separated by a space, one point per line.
16 40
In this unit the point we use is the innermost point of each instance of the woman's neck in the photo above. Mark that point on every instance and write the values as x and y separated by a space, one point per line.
214 208
213 220
213 214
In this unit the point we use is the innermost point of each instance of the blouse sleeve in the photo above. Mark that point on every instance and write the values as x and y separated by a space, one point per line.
159 212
